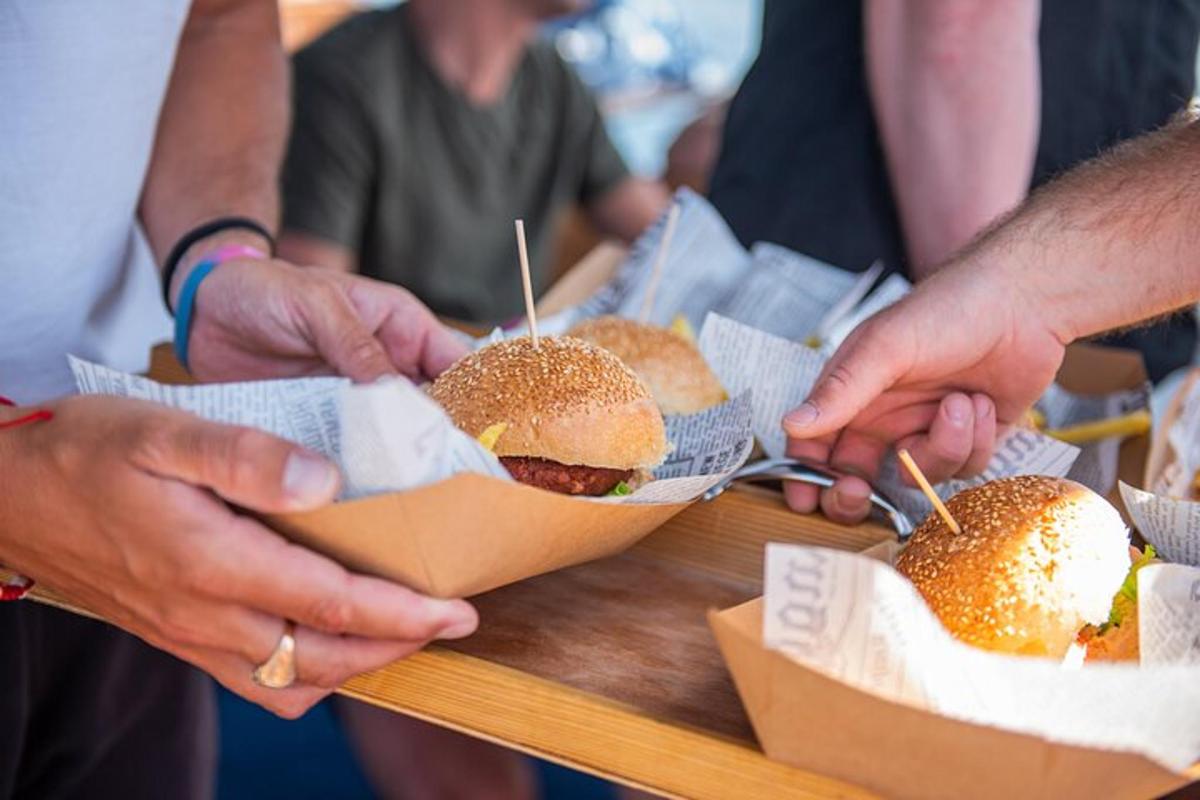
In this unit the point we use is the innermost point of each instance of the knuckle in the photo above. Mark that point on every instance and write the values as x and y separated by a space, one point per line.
149 570
67 455
952 447
332 612
840 377
197 574
174 624
155 441
242 447
328 674
361 347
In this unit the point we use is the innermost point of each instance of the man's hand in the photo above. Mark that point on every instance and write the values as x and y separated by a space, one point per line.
118 504
967 351
260 319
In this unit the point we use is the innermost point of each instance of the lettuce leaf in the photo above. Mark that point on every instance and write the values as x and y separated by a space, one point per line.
620 490
1125 599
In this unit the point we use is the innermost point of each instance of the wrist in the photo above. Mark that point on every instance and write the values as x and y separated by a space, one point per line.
1014 269
203 248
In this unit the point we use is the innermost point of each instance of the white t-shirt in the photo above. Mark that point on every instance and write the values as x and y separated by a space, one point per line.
81 86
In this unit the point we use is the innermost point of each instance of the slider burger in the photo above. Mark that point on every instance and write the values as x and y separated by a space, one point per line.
670 364
1117 639
566 416
1037 560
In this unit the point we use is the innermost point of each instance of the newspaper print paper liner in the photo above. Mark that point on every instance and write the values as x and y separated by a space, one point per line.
780 292
390 436
707 269
781 373
856 620
1161 512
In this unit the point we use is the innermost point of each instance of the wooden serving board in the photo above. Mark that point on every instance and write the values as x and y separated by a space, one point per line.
610 667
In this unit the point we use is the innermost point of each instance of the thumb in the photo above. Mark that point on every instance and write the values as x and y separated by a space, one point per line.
244 466
344 341
854 377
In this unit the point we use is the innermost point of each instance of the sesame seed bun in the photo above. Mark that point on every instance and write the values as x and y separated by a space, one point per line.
1038 558
678 376
566 401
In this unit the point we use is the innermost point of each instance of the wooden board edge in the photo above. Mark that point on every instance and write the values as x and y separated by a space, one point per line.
505 706
589 733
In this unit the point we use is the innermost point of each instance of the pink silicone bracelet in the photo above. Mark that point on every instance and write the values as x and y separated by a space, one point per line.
230 252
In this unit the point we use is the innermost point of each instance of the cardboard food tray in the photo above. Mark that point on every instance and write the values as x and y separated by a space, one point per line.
810 721
610 667
455 538
1161 453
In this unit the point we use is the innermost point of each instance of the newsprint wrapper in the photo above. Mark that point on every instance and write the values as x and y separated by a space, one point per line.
858 621
706 269
797 299
1165 515
390 436
780 373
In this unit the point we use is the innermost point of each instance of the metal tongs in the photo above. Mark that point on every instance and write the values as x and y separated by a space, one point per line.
812 472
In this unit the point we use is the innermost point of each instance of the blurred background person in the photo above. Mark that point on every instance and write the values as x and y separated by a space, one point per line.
897 131
422 131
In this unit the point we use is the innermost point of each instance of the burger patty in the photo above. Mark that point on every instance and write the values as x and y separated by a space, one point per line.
564 478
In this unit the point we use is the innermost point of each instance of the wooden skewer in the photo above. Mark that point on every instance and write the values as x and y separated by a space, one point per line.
921 480
660 258
527 283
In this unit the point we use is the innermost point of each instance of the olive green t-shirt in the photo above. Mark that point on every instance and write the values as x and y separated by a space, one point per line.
423 185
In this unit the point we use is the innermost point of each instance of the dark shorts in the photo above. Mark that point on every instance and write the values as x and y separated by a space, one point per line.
88 710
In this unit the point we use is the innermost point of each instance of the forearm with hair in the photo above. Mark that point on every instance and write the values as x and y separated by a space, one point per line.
1112 243
223 124
955 88
628 208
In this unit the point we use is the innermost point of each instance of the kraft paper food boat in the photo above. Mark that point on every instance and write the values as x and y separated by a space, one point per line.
463 535
1161 453
470 533
808 720
639 698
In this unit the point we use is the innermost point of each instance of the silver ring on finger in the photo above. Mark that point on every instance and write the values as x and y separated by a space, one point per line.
279 670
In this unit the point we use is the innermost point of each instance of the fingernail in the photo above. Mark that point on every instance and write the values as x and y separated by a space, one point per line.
802 416
460 618
308 478
463 624
849 500
983 407
458 630
854 491
959 409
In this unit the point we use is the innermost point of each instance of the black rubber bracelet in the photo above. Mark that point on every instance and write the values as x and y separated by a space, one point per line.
201 232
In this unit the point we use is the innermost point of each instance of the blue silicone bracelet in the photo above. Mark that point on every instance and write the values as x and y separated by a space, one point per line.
186 305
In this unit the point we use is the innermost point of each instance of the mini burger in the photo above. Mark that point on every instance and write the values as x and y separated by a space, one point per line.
566 416
1117 638
670 364
1038 559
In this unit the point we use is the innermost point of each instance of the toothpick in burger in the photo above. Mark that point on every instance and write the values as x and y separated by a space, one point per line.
1037 559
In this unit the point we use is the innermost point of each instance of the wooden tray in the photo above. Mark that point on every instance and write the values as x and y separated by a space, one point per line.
610 667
